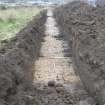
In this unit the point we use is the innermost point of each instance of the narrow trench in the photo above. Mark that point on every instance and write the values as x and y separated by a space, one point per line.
54 75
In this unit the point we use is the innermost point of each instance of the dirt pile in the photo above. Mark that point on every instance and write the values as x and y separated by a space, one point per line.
83 27
16 61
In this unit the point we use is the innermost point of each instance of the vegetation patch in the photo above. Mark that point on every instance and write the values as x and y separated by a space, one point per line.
15 18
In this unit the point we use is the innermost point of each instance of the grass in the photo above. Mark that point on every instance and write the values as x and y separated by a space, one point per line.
14 19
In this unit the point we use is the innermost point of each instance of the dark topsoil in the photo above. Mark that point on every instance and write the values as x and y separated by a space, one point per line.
83 26
16 60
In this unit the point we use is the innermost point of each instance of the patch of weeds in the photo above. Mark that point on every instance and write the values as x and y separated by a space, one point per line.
2 7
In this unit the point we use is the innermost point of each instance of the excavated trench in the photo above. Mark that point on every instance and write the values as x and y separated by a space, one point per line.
55 78
37 66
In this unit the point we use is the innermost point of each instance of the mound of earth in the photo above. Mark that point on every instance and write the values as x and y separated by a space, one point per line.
16 61
83 27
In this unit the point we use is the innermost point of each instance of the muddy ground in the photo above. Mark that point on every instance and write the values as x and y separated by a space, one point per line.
83 27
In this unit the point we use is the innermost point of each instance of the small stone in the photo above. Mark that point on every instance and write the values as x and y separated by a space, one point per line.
59 85
91 101
71 101
84 103
51 83
49 90
59 89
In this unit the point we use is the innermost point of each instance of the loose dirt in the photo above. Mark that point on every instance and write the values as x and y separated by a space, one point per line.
83 26
17 57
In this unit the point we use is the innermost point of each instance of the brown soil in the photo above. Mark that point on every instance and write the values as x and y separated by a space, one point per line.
37 66
16 60
83 25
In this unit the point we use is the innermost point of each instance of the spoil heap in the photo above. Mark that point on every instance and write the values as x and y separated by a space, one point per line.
83 25
16 60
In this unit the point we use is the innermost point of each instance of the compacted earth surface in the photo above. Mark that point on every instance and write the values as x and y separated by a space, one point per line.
55 78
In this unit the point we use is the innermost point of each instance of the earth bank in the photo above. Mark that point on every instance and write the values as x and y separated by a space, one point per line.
82 26
16 61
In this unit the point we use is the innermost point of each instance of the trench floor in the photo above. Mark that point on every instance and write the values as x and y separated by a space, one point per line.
54 74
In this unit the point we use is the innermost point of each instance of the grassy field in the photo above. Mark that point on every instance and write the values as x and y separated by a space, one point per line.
14 19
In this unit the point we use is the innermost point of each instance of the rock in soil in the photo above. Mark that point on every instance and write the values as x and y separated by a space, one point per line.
51 83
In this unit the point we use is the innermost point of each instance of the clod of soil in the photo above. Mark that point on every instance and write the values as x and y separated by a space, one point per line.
51 83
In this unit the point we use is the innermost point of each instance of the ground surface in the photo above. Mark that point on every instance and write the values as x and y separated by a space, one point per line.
54 75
